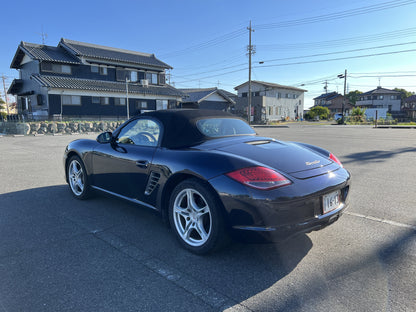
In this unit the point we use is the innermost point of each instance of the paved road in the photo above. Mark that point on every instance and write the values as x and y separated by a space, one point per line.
60 254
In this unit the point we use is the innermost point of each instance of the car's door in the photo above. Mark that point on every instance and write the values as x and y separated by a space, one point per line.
122 167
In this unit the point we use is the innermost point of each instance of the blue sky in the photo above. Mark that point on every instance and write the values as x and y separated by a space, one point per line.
301 43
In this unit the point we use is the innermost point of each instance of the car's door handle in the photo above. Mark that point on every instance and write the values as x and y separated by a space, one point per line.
142 163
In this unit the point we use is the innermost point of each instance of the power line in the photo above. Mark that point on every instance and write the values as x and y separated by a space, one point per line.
386 36
338 15
340 52
300 63
338 59
213 42
309 62
227 61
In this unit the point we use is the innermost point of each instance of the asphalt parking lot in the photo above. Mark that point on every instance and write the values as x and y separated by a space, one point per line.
103 254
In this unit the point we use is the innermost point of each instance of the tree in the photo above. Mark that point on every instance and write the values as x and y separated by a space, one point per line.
2 107
404 93
322 112
353 96
357 114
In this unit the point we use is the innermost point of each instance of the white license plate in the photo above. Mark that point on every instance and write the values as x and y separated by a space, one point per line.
331 201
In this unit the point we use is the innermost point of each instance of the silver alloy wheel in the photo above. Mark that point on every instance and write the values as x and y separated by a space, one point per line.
192 217
76 177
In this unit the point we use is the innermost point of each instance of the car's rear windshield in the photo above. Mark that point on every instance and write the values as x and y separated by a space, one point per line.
219 127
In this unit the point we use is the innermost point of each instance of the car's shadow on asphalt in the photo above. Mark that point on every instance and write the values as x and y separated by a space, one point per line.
37 218
376 156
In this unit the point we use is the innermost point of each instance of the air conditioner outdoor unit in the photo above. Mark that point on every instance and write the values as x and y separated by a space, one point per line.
144 82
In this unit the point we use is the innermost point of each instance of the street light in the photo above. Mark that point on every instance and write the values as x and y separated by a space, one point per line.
343 100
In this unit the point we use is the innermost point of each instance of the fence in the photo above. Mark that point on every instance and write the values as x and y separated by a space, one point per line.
31 118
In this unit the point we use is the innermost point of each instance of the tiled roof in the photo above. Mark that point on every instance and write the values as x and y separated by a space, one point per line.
98 52
104 86
198 95
328 96
380 90
271 85
410 99
42 53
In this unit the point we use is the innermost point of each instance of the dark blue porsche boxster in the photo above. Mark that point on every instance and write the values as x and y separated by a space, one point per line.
210 175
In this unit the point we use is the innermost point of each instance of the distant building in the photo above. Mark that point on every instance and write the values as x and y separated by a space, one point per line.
333 101
409 107
381 98
77 79
270 101
209 98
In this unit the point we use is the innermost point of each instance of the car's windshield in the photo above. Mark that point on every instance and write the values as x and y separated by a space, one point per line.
218 127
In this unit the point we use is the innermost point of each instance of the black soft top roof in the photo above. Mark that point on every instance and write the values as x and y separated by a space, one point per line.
179 125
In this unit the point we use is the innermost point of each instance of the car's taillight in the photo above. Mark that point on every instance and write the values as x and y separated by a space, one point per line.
259 178
334 158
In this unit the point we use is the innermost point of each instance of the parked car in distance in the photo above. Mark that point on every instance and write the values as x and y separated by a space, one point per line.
211 176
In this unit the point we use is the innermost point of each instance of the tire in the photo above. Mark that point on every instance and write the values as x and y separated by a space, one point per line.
196 217
77 178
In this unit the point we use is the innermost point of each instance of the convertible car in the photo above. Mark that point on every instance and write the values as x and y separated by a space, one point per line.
211 177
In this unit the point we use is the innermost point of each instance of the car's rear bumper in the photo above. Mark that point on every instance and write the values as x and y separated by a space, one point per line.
281 213
282 232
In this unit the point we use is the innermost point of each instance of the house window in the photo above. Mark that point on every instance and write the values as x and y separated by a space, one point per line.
39 99
103 70
96 100
56 68
256 93
94 68
65 69
46 66
279 95
71 100
133 76
270 110
143 105
162 79
122 74
104 101
287 95
152 77
244 94
161 104
277 112
120 101
381 97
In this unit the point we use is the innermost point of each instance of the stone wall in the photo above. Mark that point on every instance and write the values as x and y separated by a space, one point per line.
36 128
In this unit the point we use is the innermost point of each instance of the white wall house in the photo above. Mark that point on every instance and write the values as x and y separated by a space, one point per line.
270 101
381 98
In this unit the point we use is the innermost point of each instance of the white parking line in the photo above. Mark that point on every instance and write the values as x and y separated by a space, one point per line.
403 225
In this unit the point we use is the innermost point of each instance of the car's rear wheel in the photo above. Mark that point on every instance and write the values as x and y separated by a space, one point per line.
196 217
77 178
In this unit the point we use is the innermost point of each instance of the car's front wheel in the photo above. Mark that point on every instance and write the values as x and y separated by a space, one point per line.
77 178
196 217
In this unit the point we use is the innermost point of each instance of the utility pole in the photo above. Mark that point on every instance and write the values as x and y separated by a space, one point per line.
251 51
345 89
127 98
5 93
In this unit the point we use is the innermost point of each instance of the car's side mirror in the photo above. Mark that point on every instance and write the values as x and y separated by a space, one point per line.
105 137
